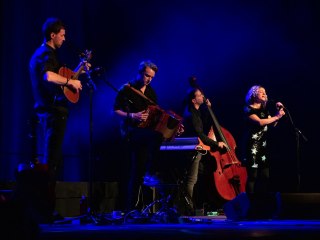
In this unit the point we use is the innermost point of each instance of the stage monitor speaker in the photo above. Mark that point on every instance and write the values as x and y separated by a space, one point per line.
253 206
274 206
300 206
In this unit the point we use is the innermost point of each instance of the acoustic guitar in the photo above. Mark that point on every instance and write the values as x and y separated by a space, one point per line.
71 94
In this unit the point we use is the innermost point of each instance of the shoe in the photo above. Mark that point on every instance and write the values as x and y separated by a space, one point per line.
151 180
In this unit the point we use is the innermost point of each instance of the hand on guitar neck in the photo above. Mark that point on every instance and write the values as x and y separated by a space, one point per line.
73 86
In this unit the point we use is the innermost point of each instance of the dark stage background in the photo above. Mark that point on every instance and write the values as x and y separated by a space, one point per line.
228 45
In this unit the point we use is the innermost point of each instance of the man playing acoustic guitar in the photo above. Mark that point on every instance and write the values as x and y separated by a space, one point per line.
51 105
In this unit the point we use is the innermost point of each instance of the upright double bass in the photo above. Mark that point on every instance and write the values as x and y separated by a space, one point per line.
230 176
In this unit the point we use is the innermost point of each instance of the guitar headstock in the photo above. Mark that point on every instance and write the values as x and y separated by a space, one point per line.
86 56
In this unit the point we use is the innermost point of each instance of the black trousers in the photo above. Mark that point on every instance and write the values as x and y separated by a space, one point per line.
142 157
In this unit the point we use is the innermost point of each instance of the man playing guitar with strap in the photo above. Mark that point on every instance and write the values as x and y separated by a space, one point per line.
51 106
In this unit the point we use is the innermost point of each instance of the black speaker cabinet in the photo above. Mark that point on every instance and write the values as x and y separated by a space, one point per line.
273 206
300 206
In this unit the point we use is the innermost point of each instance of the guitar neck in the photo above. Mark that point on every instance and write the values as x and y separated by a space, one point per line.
77 71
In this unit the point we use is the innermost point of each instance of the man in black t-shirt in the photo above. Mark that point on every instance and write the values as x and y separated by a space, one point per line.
198 123
142 144
51 106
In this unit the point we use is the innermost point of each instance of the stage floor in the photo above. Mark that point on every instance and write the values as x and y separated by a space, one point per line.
299 219
215 227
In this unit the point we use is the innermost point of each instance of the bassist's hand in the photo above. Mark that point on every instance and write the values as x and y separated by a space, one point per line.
222 145
208 103
180 130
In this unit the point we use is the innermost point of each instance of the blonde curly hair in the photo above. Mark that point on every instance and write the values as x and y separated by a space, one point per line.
252 94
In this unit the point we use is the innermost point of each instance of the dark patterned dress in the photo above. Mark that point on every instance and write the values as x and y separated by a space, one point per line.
256 139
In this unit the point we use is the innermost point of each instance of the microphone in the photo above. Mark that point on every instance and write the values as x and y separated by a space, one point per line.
97 70
280 106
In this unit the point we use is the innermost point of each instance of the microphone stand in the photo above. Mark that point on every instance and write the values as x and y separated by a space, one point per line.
92 87
298 133
127 109
128 101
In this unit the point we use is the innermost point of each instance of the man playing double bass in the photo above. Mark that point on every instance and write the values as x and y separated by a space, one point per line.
197 122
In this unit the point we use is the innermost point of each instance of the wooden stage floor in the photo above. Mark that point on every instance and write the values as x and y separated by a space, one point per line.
217 227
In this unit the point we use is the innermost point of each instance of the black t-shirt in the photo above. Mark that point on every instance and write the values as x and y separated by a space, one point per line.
129 101
46 95
198 123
